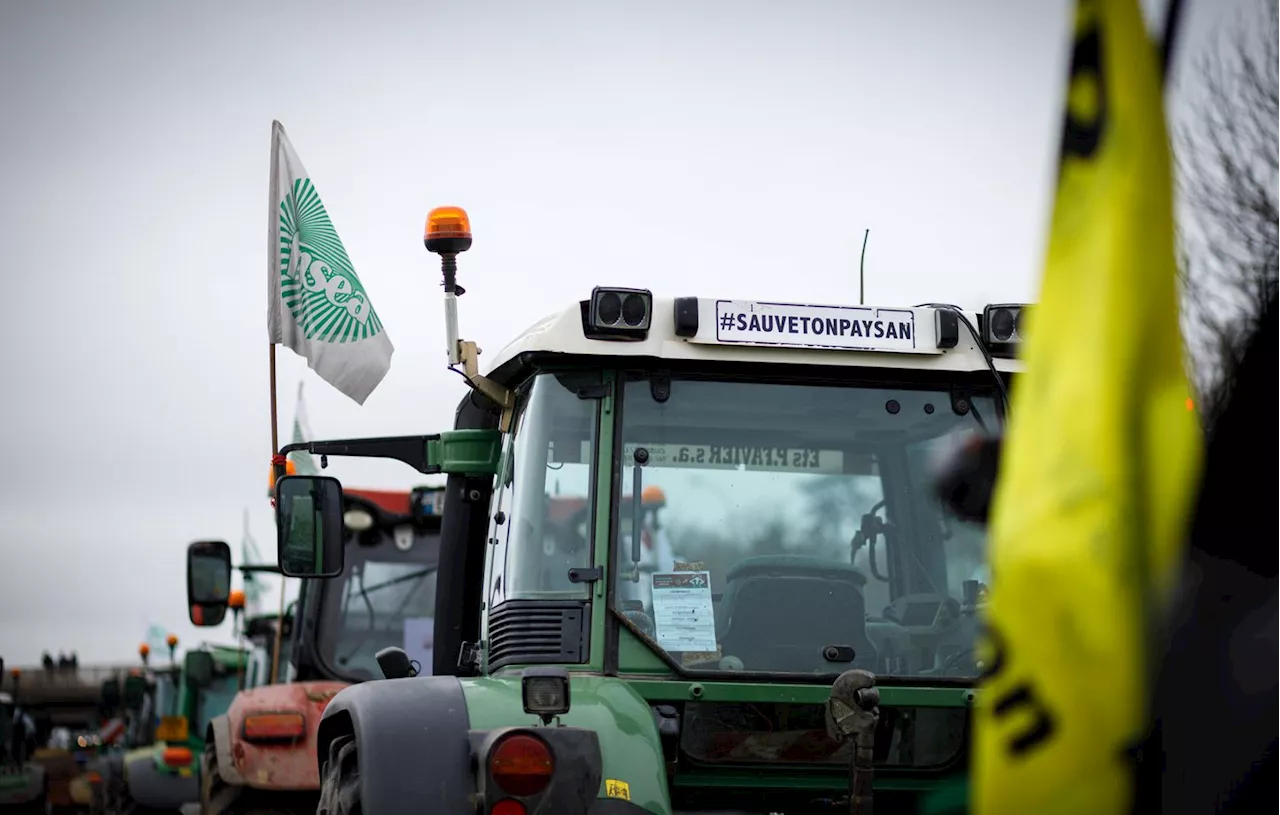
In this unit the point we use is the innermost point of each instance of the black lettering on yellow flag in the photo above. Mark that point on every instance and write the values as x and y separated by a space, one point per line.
1101 457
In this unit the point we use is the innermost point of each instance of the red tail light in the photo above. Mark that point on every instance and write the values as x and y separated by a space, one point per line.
508 806
176 757
522 765
274 726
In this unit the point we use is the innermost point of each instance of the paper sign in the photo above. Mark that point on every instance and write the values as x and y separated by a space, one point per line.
682 611
419 642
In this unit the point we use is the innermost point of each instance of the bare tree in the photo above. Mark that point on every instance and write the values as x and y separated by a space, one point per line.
1226 159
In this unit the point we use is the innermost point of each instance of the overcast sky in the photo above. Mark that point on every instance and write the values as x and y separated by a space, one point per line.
711 148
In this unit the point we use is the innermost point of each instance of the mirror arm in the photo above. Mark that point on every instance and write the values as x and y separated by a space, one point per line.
412 450
259 569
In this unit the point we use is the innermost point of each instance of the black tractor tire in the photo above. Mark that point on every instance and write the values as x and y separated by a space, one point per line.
340 779
40 805
216 796
36 806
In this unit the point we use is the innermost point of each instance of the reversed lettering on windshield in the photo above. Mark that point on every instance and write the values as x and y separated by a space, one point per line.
849 328
745 457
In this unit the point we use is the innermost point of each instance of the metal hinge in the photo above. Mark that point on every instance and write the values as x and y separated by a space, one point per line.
469 656
583 574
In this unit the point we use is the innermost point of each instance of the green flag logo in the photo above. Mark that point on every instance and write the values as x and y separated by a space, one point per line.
318 285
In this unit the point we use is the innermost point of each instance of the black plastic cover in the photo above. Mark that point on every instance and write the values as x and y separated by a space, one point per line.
948 328
533 632
460 574
686 316
411 743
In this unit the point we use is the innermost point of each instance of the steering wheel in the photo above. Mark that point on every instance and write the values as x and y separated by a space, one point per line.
951 661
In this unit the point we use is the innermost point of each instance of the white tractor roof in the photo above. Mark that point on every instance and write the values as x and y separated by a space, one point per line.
775 337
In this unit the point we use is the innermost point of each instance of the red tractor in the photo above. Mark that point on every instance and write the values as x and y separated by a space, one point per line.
261 755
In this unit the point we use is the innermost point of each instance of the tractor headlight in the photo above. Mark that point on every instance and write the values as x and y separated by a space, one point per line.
621 313
545 692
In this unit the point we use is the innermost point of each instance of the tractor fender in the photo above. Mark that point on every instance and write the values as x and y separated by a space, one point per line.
412 745
154 789
290 766
220 733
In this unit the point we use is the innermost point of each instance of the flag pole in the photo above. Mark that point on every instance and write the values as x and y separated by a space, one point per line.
271 367
1169 40
279 470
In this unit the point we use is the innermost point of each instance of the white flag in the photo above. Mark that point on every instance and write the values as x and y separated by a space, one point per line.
249 556
317 305
304 463
157 638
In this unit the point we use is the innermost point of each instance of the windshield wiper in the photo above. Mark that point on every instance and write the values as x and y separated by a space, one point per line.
364 594
397 580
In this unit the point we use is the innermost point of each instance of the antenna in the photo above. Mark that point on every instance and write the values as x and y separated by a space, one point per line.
862 266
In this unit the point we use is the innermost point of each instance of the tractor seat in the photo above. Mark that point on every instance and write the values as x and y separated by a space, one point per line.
779 613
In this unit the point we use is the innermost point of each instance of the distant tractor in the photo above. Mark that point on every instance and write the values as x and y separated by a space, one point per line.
163 776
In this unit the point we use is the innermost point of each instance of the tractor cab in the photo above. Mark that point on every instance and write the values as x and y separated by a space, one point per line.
383 596
211 677
694 542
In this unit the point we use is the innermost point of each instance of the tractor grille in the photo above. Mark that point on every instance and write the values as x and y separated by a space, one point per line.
537 632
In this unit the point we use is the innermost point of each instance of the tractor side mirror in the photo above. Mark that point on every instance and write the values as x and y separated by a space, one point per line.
309 526
208 582
198 669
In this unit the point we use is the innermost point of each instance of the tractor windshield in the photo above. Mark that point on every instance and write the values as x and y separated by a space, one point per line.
166 695
213 699
386 596
791 528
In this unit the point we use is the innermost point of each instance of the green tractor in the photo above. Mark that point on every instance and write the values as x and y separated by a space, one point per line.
692 560
161 775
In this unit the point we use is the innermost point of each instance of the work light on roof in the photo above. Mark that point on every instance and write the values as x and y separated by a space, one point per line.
620 313
448 233
1002 324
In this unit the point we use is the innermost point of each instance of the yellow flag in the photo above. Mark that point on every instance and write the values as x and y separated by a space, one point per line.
1102 456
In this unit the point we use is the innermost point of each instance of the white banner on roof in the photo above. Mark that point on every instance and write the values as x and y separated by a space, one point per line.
788 325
